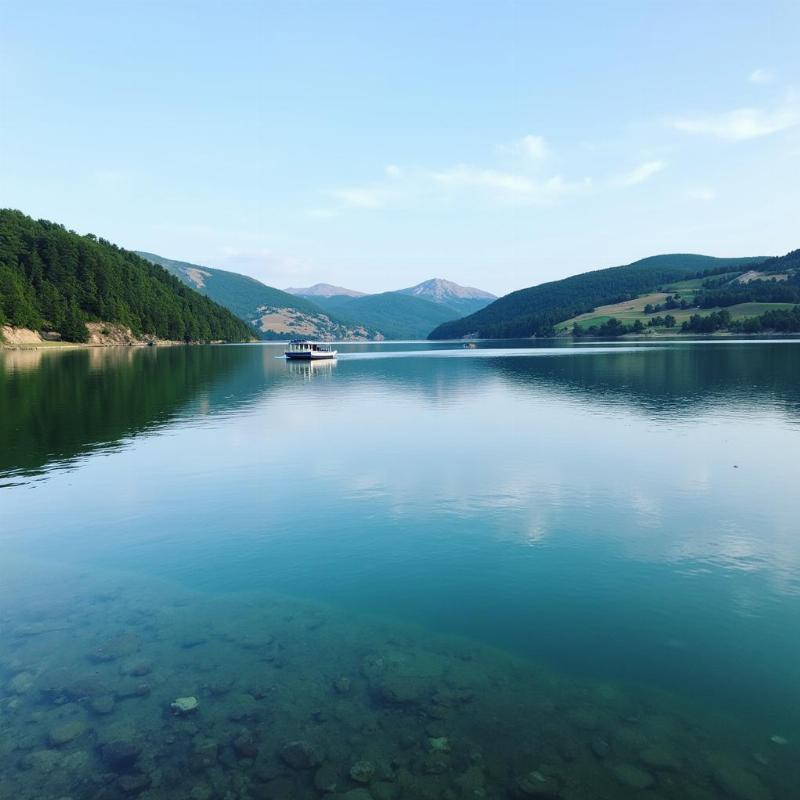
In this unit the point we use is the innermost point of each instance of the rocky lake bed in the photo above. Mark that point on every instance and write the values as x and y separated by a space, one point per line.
123 688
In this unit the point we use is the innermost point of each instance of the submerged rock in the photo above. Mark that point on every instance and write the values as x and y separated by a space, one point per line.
134 784
535 784
21 683
245 746
342 685
740 783
326 778
184 705
66 732
300 755
120 755
136 668
633 776
112 649
127 691
659 757
102 705
362 771
439 743
41 761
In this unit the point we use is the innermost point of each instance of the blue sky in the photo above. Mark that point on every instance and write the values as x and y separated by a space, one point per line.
377 144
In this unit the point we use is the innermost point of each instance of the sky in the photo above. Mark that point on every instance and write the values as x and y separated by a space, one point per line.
376 144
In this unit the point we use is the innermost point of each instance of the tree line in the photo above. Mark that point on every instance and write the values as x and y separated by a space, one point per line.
53 279
773 321
537 310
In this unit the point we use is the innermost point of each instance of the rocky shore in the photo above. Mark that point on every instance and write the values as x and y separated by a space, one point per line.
101 334
117 688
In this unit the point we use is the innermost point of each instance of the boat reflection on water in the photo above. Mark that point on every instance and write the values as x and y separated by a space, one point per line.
311 369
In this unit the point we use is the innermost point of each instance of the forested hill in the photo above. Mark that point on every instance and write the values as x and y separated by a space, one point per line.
274 313
55 279
536 310
240 293
395 315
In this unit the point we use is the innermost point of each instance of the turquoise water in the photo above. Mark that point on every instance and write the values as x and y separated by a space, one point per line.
548 571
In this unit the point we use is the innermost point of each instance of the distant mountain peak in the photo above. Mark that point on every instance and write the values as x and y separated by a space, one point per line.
440 290
325 290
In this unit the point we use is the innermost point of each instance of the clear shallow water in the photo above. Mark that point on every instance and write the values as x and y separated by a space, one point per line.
607 535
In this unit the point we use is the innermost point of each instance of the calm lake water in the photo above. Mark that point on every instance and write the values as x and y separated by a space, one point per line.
417 572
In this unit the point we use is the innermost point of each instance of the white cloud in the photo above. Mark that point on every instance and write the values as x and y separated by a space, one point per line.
411 186
761 76
702 193
534 147
360 197
744 123
641 173
466 175
509 185
531 147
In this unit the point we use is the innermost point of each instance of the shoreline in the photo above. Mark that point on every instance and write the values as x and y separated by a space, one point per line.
101 334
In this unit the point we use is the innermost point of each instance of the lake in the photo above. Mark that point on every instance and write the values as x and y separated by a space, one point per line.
525 570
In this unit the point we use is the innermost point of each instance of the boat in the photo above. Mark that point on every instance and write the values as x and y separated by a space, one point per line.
303 350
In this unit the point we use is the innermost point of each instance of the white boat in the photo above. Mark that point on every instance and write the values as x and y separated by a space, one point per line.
303 350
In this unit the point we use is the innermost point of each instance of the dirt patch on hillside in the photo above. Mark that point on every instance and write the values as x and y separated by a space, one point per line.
16 336
101 334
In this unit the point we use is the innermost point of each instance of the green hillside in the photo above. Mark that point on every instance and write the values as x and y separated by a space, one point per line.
764 299
537 310
55 279
330 305
395 315
239 293
275 314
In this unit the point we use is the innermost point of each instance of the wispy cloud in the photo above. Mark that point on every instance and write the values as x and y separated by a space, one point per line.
744 123
640 174
522 182
465 175
702 193
509 185
360 196
530 147
761 76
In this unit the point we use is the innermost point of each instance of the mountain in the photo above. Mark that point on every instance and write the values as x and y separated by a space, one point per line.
275 314
395 315
53 279
325 290
536 310
462 299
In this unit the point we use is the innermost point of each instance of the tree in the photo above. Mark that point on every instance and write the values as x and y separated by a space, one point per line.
73 328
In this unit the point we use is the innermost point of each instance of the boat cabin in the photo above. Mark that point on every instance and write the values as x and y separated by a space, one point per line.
304 349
